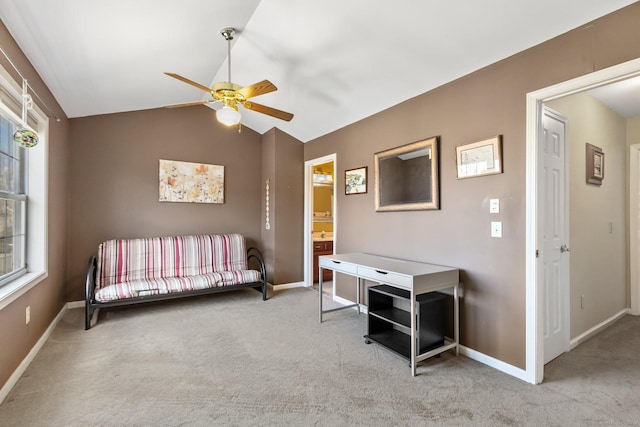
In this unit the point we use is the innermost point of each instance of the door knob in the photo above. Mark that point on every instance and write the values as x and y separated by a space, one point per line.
564 249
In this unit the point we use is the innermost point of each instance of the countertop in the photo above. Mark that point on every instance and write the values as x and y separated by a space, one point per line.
317 237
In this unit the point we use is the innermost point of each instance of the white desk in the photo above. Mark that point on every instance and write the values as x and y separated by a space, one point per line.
415 277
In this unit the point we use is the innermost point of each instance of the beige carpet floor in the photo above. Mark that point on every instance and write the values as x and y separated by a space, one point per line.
233 359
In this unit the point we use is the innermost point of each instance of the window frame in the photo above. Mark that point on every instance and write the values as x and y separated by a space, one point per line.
36 192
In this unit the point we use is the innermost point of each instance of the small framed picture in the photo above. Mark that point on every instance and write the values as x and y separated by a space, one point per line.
479 158
355 181
594 165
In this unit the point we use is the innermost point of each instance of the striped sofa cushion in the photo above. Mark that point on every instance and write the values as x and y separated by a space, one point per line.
135 267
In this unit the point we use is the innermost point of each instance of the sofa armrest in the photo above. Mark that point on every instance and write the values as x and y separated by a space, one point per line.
254 254
90 288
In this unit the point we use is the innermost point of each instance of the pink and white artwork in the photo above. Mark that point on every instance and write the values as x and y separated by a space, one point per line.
191 182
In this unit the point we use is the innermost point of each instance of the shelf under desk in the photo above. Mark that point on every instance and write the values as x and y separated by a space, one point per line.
415 277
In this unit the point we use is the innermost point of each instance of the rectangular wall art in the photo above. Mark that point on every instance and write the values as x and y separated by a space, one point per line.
595 164
355 181
191 182
479 158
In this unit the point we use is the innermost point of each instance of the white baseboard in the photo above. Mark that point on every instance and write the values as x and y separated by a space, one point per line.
494 363
599 327
363 308
286 286
465 351
342 301
522 374
75 304
22 367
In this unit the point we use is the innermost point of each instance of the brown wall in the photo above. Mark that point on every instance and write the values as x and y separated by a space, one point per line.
114 191
488 102
113 161
48 297
283 165
290 209
269 173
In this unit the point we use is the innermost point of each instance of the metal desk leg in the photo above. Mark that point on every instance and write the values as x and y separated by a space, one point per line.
413 333
456 318
358 293
320 291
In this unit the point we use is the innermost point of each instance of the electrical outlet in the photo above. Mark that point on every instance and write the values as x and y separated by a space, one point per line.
496 228
582 302
27 315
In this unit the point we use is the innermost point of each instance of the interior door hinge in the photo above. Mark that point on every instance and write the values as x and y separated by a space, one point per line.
537 253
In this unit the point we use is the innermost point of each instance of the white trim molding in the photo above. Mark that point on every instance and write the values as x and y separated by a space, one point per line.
598 328
534 102
286 286
75 304
308 214
363 308
22 367
634 227
18 287
36 215
494 363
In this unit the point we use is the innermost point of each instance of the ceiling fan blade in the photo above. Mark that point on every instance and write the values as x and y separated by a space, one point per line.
256 89
191 82
279 114
188 104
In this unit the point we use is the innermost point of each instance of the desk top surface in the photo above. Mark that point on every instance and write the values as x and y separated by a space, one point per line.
395 265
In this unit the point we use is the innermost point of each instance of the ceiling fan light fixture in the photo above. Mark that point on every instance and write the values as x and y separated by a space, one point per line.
231 95
228 116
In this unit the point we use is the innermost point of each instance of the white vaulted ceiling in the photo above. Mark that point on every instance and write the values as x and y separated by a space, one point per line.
333 61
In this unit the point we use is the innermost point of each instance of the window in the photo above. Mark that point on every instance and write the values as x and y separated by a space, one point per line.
13 203
23 195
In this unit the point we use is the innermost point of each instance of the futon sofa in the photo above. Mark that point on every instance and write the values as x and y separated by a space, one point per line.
130 271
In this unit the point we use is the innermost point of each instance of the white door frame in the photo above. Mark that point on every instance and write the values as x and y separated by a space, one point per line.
308 212
534 308
634 226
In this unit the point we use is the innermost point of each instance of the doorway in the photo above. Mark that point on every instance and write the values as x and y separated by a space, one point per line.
320 217
534 186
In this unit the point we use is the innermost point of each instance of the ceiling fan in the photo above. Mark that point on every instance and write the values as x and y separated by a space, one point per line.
231 95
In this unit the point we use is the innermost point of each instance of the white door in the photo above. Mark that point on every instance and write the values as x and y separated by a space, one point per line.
555 251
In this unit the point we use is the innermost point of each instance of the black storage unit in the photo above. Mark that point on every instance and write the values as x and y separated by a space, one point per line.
389 320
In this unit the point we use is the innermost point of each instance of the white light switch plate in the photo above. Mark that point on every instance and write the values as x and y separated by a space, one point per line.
496 229
494 205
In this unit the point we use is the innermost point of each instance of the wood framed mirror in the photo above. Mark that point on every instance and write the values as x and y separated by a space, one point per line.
406 177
